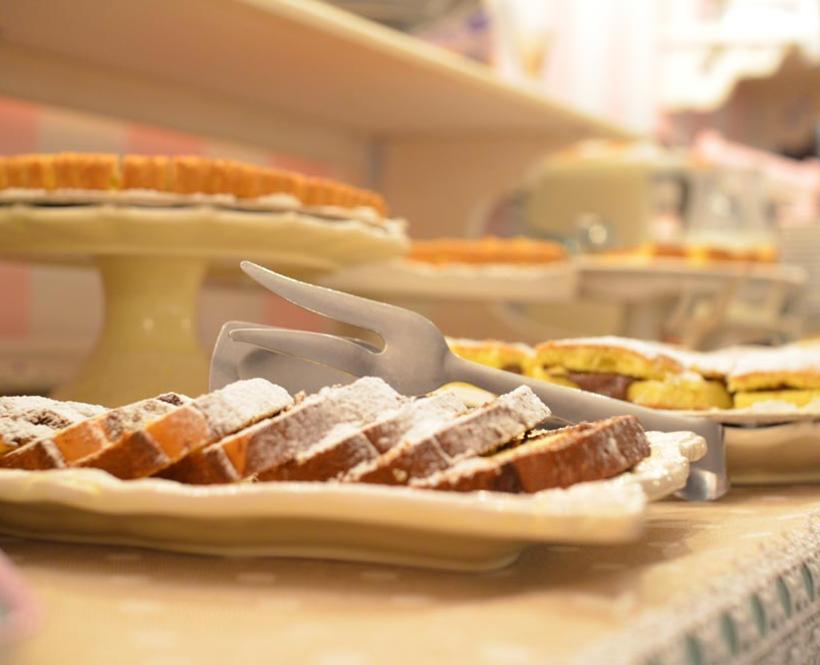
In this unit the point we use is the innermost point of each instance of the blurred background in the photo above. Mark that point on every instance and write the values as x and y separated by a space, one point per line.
669 146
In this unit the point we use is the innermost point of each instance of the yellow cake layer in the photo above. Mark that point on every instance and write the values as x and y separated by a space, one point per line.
795 397
808 379
606 358
500 355
688 395
179 175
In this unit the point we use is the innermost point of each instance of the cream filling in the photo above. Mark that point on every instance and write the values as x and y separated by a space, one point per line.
150 197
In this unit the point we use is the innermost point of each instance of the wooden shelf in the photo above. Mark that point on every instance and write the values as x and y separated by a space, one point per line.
204 65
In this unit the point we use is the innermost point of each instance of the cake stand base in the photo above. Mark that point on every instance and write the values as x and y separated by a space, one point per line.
148 342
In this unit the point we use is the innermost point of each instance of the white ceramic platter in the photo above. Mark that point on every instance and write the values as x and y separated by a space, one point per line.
759 415
284 240
470 531
769 442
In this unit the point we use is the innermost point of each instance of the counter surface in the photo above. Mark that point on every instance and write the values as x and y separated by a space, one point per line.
129 606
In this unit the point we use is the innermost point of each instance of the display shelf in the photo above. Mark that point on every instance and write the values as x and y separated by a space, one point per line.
304 59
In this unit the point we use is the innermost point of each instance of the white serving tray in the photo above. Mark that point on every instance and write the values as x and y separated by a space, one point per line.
771 442
470 531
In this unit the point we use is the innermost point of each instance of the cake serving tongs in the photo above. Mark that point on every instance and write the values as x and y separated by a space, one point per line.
416 360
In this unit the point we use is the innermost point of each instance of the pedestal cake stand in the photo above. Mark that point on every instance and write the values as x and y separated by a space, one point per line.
152 262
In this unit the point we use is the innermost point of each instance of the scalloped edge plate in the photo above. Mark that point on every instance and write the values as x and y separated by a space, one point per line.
471 531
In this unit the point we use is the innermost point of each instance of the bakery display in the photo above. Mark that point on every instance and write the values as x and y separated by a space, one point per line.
72 178
364 432
663 376
487 250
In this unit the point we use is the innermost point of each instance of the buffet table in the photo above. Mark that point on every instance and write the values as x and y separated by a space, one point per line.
708 581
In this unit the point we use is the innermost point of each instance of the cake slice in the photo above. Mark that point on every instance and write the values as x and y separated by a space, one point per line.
86 437
276 441
646 373
202 421
432 447
789 374
346 447
558 458
27 418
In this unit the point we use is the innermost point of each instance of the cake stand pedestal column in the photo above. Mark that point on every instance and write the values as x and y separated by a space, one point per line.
148 342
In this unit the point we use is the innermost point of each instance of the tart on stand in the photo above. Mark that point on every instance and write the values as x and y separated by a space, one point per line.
155 226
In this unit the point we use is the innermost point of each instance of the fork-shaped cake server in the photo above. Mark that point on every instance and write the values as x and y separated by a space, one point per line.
416 360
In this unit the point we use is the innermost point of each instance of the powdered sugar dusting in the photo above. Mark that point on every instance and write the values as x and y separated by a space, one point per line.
432 445
28 418
313 419
786 359
417 420
241 403
131 417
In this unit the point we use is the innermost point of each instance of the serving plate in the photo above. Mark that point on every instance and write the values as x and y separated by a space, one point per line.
770 442
470 531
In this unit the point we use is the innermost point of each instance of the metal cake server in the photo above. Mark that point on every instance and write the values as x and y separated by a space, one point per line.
416 360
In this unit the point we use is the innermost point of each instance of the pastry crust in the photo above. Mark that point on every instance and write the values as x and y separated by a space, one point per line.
184 175
486 250
615 355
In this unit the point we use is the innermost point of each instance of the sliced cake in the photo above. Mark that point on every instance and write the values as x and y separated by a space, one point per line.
789 374
202 421
72 443
558 458
432 447
641 372
275 441
345 448
27 418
